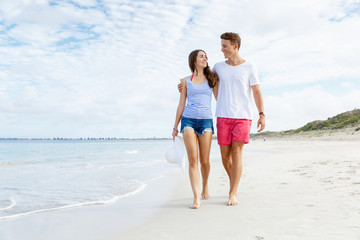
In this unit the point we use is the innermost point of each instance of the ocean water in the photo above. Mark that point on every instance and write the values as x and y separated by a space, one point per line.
45 175
37 176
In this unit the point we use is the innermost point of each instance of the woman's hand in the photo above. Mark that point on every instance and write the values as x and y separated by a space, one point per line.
174 133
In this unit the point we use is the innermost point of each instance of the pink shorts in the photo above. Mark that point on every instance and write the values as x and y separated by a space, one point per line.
232 130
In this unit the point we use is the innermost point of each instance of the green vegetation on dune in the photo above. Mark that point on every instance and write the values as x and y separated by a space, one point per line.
346 119
342 120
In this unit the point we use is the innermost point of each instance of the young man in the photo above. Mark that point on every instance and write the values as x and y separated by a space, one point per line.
237 78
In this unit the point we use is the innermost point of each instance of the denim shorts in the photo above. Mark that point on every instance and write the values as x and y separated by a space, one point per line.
199 125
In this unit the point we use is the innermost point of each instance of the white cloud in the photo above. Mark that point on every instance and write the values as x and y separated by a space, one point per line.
294 109
111 68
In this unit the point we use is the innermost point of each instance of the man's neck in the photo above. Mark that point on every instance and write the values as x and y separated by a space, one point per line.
235 60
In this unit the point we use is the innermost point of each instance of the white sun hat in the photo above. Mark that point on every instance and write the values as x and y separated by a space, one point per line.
176 152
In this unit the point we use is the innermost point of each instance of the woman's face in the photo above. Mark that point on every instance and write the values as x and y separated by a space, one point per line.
201 60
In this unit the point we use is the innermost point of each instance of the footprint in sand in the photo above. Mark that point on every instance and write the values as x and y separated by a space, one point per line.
309 205
305 174
327 180
355 194
344 178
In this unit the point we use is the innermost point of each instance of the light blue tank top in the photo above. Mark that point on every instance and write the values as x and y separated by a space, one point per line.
198 100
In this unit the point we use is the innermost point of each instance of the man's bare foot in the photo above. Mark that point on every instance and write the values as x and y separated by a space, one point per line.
196 204
233 201
205 193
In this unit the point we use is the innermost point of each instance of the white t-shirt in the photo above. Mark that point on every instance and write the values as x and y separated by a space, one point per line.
234 93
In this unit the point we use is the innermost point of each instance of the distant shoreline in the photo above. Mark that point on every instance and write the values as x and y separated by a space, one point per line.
344 124
344 132
84 139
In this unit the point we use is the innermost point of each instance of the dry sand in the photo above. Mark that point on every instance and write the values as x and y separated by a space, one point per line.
290 189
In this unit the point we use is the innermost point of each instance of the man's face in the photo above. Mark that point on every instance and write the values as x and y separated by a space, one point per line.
227 48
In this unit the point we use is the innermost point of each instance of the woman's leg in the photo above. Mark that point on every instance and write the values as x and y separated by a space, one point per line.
190 140
205 146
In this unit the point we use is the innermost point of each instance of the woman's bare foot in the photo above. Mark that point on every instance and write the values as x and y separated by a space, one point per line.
205 193
196 204
233 201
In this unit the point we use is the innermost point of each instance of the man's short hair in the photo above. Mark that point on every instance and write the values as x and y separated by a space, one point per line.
233 37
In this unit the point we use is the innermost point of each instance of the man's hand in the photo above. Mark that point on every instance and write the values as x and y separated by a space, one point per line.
261 123
180 87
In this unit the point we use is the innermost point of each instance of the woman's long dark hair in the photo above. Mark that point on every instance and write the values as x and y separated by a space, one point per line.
210 76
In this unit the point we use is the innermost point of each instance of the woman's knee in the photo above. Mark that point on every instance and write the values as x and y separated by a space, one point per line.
193 164
204 162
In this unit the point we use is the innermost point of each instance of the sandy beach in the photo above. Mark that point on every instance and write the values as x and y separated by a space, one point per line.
290 189
295 188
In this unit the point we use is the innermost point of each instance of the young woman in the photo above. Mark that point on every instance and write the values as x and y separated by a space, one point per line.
196 121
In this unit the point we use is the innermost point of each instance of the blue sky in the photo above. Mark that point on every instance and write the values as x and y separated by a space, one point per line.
106 68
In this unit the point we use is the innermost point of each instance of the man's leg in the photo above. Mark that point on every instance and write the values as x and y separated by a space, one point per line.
226 158
235 172
224 127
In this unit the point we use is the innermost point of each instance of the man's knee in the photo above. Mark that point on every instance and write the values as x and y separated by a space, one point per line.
226 156
237 148
236 151
226 159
